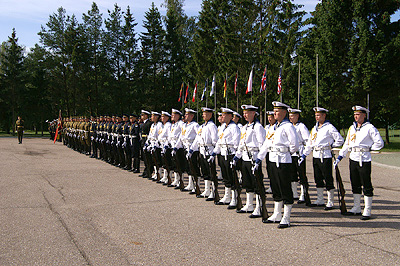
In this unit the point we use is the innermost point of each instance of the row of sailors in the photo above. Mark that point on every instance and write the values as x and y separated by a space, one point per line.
285 145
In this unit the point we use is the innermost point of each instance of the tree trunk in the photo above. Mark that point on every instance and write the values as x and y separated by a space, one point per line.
387 134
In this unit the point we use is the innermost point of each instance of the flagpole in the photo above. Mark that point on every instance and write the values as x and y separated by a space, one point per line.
188 94
265 117
298 89
182 96
215 102
317 80
237 94
226 91
206 93
280 98
368 105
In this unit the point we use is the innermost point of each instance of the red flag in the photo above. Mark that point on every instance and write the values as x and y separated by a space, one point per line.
180 93
186 94
194 93
280 81
234 88
264 80
59 126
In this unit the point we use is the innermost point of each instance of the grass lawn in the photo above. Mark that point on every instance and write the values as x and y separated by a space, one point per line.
28 133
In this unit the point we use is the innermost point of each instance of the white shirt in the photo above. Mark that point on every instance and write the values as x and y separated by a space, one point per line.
228 139
269 137
163 134
152 139
283 144
189 133
322 139
175 133
303 134
252 137
360 141
207 136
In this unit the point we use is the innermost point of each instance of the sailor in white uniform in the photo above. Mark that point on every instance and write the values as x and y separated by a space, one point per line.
152 140
163 141
300 170
362 138
226 146
283 144
173 137
207 136
323 137
269 134
251 139
188 135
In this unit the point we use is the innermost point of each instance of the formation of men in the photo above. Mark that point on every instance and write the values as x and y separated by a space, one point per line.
173 144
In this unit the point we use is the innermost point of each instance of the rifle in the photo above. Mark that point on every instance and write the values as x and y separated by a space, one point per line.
154 155
239 204
260 184
196 182
179 170
307 199
341 190
213 172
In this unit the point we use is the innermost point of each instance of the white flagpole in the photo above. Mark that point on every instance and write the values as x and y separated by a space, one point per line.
317 81
298 90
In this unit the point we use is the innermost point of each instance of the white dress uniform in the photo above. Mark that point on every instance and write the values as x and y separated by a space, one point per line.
251 139
303 135
360 141
226 146
187 137
163 135
321 141
207 136
173 137
152 142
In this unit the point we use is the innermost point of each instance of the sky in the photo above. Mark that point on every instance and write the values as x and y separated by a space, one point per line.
27 16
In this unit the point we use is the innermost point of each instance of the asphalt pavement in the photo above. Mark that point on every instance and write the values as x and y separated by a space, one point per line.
60 207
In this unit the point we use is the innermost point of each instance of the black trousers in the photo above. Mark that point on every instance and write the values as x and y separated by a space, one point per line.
179 161
299 171
205 167
226 170
128 155
281 178
323 173
195 164
20 135
361 177
249 181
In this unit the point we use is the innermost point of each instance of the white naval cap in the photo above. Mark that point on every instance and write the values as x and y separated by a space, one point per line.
279 105
237 114
176 111
270 112
226 110
145 112
294 111
249 107
357 109
320 110
219 113
206 109
155 113
188 110
165 113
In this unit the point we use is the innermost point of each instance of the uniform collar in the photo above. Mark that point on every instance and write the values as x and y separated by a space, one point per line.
324 124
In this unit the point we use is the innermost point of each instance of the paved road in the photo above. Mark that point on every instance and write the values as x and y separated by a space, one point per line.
58 207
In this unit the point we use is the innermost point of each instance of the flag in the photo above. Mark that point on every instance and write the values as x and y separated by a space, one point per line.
186 94
180 93
235 87
250 82
225 88
212 86
264 81
194 93
204 91
59 126
280 81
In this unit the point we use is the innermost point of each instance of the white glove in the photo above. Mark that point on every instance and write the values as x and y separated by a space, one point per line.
254 168
301 159
335 163
173 152
188 156
211 159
